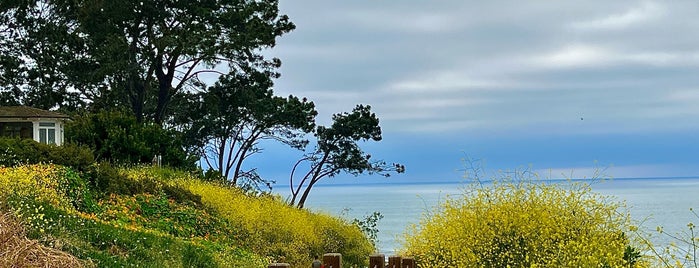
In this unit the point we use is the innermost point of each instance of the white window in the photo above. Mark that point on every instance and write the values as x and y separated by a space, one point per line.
47 133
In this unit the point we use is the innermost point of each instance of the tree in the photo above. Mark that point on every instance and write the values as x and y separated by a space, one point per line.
136 53
226 123
36 47
337 151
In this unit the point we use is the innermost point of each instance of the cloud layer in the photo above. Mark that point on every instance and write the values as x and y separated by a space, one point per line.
465 66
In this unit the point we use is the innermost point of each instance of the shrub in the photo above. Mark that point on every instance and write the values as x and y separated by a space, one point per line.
158 212
525 223
56 185
280 232
26 151
118 137
682 250
108 179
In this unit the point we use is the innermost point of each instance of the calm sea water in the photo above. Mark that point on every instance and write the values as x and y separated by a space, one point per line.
652 202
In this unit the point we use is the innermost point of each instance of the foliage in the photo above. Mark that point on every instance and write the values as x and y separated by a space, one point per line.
159 217
132 54
108 181
226 122
35 49
368 225
52 184
158 212
682 250
124 229
337 151
525 223
119 138
26 151
280 232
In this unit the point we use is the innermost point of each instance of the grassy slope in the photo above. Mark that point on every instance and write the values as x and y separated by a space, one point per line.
148 217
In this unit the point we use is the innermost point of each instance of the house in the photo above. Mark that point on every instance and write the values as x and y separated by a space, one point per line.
32 123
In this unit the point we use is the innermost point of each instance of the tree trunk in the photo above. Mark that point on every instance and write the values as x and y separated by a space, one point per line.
305 193
136 92
163 100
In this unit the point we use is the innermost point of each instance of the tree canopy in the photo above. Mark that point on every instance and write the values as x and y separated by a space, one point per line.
138 54
337 151
226 122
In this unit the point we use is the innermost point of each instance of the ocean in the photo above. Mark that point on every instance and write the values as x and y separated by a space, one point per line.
652 202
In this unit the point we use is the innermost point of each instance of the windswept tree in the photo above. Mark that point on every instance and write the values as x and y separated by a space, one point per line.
134 53
337 151
226 123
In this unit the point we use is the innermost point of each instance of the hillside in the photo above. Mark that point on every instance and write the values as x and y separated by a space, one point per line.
156 217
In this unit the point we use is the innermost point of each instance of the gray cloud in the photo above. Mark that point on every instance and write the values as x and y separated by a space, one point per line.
440 66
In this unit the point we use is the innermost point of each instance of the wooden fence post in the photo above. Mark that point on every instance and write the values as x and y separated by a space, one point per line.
377 261
279 265
332 260
394 262
408 263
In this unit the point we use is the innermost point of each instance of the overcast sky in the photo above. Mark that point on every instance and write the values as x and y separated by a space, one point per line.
558 85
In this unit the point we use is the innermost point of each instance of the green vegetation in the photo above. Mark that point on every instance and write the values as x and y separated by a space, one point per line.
527 223
117 137
14 151
136 78
337 150
158 217
683 249
241 110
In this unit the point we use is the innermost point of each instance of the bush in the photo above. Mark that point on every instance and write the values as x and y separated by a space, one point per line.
56 185
683 247
119 138
27 151
280 232
525 223
107 179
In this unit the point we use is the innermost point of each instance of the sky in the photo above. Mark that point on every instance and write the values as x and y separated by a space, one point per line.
559 87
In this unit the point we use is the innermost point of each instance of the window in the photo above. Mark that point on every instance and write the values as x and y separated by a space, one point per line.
16 129
47 133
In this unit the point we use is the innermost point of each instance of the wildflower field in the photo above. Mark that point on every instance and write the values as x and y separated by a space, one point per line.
157 217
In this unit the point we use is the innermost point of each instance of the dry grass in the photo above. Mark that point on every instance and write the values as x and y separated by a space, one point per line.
18 251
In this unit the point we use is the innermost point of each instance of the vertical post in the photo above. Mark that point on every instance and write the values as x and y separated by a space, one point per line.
408 263
278 265
377 261
332 260
394 262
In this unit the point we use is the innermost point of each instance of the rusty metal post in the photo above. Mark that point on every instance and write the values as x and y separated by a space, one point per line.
408 262
394 262
279 265
377 261
332 260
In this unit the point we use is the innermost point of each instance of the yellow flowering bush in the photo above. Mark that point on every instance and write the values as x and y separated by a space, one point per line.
525 224
44 182
280 232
